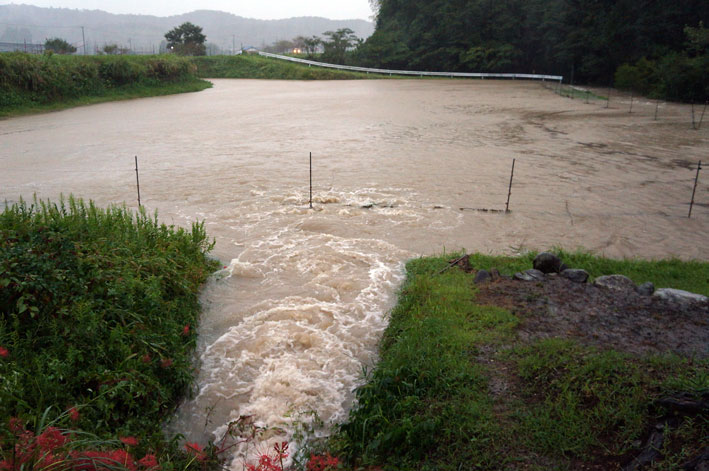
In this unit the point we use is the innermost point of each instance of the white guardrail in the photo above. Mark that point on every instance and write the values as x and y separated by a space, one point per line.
558 78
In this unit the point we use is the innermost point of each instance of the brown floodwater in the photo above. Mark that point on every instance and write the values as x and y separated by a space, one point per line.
400 169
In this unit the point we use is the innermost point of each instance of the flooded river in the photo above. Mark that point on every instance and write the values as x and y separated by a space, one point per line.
400 169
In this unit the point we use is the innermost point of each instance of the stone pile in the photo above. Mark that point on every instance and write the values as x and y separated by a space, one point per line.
546 265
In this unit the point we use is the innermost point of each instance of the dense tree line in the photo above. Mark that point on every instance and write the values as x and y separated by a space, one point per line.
658 45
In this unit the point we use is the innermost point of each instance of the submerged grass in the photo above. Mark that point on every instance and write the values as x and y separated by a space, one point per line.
98 310
435 400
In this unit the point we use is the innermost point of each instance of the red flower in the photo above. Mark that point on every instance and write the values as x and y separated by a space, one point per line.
4 352
145 358
129 441
73 414
166 362
149 462
196 450
51 439
325 462
16 425
186 330
99 460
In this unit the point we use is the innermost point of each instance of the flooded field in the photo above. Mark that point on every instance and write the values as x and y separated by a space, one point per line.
400 169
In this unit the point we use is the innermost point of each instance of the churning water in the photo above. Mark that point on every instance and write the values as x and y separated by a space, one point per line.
400 168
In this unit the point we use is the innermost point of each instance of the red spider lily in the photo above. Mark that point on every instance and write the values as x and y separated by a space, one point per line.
101 460
186 330
146 358
166 363
129 441
149 462
325 462
51 439
4 352
73 414
196 450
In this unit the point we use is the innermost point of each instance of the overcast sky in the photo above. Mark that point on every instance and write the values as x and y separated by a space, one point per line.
262 9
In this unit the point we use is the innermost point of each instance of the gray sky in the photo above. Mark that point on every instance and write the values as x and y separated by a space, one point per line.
262 9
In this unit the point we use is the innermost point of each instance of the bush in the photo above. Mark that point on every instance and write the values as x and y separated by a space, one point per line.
97 312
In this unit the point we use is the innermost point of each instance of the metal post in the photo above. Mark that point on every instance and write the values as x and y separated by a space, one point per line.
83 39
311 180
693 125
657 105
509 192
137 179
701 118
696 179
631 103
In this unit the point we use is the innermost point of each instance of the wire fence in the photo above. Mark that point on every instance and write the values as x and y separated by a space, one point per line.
481 192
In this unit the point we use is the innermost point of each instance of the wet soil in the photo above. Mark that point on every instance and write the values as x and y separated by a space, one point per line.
608 319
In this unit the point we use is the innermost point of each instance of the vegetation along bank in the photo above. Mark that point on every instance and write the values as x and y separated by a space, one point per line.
507 374
98 315
34 83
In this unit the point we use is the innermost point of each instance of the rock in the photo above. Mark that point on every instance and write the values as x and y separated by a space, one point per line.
547 263
615 282
679 296
576 275
646 289
482 276
530 275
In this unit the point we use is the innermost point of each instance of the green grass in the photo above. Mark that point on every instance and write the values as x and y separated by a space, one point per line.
31 83
430 404
98 310
257 67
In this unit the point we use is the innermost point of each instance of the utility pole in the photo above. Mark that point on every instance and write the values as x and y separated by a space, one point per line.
233 44
83 39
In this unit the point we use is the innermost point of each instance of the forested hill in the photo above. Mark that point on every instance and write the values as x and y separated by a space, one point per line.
586 39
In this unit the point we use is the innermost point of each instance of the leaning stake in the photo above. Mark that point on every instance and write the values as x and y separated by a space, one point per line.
509 192
137 179
696 179
311 180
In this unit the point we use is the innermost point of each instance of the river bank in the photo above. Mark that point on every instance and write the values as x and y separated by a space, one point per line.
99 314
469 380
33 84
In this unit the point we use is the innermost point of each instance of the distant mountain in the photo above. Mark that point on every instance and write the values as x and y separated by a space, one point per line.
145 33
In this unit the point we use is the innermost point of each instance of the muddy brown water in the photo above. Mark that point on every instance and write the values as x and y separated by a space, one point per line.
296 315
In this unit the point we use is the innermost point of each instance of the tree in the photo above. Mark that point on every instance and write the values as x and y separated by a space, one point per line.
339 43
59 46
310 45
186 40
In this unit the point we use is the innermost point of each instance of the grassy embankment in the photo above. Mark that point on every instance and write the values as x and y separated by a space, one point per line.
257 67
97 330
31 83
433 401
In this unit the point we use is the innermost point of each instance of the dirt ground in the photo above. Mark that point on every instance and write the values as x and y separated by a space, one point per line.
620 320
603 318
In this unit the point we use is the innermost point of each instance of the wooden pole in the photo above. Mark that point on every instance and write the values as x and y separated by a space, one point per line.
509 192
631 103
137 179
608 100
311 180
696 179
657 105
